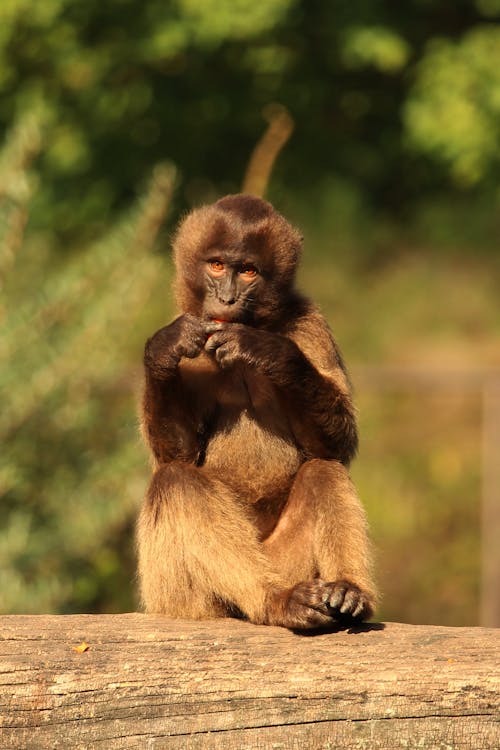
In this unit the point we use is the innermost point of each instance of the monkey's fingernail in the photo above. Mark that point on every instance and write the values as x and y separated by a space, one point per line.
349 602
338 597
336 600
359 609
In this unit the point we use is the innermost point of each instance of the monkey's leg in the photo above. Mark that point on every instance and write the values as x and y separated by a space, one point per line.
322 533
199 554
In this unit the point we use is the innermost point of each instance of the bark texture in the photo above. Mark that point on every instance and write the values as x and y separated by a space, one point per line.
153 683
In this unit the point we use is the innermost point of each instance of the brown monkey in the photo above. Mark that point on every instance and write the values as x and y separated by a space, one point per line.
248 413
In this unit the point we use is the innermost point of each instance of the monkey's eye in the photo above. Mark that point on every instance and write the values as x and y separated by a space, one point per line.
248 272
216 266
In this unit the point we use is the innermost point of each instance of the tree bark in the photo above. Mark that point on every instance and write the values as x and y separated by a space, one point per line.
153 683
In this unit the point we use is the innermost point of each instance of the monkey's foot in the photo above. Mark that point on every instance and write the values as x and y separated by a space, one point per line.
348 601
318 603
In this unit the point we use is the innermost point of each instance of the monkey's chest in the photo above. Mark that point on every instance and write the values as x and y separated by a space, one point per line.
252 447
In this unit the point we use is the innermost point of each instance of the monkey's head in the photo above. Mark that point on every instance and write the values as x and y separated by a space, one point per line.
236 261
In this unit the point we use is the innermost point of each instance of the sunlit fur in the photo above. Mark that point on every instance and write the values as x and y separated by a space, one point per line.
250 511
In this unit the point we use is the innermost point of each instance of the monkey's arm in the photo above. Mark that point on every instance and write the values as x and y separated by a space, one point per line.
329 417
169 425
307 368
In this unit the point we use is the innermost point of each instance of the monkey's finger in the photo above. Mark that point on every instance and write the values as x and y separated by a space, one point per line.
191 351
225 357
316 618
213 326
213 343
361 608
337 598
350 602
215 340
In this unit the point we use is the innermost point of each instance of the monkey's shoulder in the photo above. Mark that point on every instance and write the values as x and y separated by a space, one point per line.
313 335
308 321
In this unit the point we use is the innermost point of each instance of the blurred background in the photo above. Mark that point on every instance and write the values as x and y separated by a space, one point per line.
119 116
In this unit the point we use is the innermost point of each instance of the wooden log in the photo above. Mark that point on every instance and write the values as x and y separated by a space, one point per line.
153 683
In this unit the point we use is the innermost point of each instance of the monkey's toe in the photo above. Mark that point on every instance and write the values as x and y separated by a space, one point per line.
348 601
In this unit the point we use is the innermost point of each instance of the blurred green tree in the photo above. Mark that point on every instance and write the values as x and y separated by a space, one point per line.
71 469
382 96
453 111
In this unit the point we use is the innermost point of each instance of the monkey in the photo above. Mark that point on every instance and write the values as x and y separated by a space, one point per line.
249 416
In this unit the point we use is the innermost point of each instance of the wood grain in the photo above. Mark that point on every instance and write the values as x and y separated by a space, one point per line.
153 683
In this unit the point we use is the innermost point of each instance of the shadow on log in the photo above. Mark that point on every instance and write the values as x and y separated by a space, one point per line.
152 683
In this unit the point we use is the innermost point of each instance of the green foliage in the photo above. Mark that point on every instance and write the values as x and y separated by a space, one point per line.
211 20
67 427
454 111
125 85
377 46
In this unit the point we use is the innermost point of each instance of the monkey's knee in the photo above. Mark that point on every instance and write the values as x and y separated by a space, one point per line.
171 486
322 478
168 510
167 570
174 476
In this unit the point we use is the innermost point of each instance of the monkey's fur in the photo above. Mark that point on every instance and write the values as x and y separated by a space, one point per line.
249 417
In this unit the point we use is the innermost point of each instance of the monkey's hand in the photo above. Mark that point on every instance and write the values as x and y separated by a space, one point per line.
230 343
184 337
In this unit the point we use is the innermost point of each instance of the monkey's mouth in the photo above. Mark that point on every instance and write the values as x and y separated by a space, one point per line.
239 315
236 319
218 320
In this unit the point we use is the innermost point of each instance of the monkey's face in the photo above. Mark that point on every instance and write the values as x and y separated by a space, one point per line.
233 286
236 261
